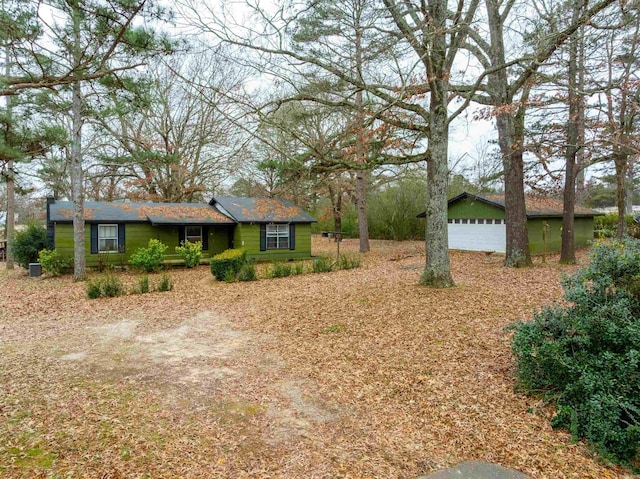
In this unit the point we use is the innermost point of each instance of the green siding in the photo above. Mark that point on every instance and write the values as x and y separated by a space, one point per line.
583 234
219 239
137 235
248 236
470 208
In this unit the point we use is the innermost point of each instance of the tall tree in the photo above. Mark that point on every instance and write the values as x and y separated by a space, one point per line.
575 87
93 40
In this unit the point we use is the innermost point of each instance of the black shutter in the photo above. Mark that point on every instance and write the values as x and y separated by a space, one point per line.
205 238
181 233
292 236
263 237
121 238
94 239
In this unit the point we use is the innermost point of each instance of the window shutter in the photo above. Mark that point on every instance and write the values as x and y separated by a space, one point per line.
292 236
205 238
121 238
263 237
94 239
181 235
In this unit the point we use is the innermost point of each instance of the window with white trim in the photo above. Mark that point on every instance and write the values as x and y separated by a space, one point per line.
277 236
107 238
193 234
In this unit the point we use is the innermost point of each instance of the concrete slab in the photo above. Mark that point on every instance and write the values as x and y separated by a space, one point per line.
476 470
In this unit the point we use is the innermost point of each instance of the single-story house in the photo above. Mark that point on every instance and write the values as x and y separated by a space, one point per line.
476 223
268 228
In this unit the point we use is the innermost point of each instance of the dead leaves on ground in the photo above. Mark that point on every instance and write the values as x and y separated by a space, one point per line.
358 373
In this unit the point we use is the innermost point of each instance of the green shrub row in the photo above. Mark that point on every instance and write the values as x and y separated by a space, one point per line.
110 286
232 265
585 356
227 264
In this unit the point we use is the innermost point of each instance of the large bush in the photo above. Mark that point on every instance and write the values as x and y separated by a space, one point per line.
586 355
28 243
228 263
150 258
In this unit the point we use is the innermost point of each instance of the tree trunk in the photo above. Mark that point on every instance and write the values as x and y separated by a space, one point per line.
77 174
361 149
517 254
510 127
437 271
362 177
11 190
567 249
620 161
11 213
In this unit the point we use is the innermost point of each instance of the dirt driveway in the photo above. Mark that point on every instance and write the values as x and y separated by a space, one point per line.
352 374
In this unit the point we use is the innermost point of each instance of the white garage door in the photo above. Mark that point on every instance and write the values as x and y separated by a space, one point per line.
474 234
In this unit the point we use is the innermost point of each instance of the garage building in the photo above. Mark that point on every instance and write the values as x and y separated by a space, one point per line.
476 223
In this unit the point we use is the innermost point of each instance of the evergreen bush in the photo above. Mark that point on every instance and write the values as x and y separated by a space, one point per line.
149 259
230 260
586 355
28 243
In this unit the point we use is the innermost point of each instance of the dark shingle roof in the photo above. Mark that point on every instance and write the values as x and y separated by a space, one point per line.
156 213
262 210
535 205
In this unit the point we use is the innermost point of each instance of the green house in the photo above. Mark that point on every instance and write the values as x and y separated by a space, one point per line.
477 223
268 228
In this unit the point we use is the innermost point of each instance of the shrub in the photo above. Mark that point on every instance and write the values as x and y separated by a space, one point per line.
229 260
230 276
279 270
298 268
348 261
52 262
108 286
165 283
28 243
322 264
150 258
586 356
247 272
190 253
112 286
94 288
143 285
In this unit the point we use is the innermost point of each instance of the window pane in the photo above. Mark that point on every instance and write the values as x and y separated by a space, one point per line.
107 238
277 236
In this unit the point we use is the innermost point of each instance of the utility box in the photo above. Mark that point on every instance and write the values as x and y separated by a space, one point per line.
35 270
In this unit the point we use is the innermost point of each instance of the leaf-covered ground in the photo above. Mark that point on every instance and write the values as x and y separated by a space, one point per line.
350 374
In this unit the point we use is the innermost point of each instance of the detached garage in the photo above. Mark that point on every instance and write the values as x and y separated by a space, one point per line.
476 223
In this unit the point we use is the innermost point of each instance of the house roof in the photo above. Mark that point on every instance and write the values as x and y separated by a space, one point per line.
262 210
156 213
536 205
